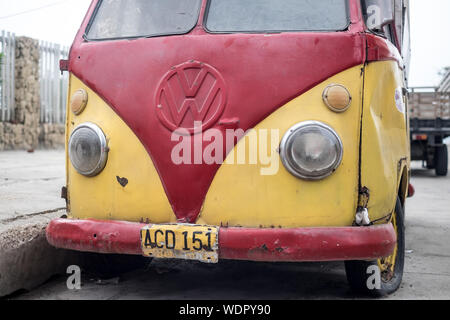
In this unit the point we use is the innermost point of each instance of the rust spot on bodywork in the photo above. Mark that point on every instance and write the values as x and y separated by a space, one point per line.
64 193
364 197
258 250
122 181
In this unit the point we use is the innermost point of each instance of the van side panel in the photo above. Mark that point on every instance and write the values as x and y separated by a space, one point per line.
385 143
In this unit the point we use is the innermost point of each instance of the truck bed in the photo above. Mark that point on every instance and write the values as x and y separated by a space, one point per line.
430 112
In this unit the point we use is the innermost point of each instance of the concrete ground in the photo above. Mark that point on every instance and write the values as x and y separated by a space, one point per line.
30 183
427 272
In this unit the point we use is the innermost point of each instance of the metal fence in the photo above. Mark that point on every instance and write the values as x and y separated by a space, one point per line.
7 61
53 84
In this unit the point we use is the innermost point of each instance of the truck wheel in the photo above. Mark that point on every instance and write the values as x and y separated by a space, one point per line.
441 161
362 275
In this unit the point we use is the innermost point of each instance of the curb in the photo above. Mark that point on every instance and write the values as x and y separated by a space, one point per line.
26 258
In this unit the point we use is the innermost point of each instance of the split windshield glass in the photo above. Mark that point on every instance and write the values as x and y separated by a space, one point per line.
118 19
115 19
275 15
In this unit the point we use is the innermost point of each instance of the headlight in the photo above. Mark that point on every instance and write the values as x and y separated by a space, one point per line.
88 149
311 150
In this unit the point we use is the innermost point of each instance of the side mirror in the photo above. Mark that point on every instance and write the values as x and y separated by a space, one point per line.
378 13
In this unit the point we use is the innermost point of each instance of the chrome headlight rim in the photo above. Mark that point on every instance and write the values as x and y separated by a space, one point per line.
291 133
101 164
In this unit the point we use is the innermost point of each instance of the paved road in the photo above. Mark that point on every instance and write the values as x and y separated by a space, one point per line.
30 183
427 271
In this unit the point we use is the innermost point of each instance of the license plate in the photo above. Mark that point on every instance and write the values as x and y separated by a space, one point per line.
181 241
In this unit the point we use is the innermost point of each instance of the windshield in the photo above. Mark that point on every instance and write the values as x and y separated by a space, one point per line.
142 18
276 15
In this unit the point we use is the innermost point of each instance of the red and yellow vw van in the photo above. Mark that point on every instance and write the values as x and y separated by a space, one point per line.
239 129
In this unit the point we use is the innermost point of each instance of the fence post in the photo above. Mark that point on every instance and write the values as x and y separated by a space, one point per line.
27 89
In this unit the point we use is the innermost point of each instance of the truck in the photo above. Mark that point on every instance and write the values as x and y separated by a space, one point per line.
430 125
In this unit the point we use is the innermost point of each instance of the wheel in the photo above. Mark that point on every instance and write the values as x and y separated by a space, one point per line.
390 268
107 266
441 161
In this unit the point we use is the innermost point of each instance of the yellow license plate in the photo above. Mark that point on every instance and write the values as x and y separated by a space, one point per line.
181 241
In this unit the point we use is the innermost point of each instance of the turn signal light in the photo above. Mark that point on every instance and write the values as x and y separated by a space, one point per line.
79 101
337 98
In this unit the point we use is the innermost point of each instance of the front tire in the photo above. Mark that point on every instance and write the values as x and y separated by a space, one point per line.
391 268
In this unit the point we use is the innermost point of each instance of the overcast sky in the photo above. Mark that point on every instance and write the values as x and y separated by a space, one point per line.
58 21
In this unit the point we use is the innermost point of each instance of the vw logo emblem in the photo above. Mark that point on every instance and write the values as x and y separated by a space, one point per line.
191 93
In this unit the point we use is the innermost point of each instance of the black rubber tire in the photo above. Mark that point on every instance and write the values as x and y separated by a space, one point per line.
441 160
107 266
357 270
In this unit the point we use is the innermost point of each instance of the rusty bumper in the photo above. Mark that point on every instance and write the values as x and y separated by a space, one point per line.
289 245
